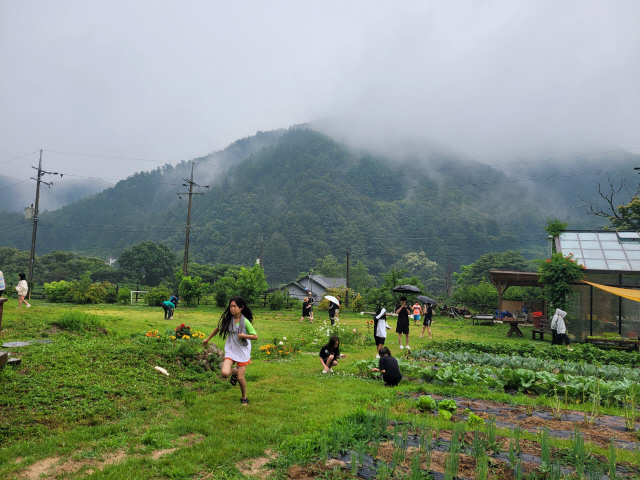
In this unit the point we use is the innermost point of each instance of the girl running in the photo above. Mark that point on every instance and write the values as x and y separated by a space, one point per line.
235 326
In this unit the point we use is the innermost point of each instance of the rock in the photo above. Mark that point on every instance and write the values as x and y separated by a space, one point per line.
4 357
14 361
15 344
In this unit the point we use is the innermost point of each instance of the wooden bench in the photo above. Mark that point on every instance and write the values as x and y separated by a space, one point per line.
622 343
545 327
483 319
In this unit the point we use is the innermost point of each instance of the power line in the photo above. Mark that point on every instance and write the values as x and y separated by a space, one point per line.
18 158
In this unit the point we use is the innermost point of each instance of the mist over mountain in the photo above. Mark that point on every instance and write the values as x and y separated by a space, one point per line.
19 194
292 196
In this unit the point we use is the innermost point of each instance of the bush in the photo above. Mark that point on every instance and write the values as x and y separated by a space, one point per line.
78 322
112 293
358 303
277 300
124 296
426 403
57 292
157 295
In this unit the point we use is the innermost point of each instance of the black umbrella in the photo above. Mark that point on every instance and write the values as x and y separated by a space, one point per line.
406 289
425 299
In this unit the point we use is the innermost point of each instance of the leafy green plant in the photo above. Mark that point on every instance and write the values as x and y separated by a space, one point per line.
57 292
475 421
277 300
448 405
426 403
445 414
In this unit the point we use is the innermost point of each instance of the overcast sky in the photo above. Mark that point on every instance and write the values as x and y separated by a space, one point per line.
172 80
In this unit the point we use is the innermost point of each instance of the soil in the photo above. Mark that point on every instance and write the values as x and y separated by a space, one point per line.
56 466
600 431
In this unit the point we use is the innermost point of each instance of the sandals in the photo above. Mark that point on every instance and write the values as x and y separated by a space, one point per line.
244 401
234 379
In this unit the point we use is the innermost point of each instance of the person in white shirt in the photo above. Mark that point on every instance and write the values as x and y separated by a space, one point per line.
23 289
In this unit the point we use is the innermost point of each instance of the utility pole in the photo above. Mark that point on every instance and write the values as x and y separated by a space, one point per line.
261 246
34 233
347 292
190 183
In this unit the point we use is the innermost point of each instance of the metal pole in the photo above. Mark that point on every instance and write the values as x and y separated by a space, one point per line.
347 291
35 224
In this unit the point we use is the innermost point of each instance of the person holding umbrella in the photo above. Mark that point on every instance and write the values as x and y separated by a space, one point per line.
402 327
334 305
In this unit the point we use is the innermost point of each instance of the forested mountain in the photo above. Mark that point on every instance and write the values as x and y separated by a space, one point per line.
298 195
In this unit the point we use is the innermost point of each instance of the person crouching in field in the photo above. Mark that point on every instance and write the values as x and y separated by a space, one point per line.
235 326
388 367
168 306
329 355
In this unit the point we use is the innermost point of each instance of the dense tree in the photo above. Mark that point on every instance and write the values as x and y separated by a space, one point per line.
479 270
148 263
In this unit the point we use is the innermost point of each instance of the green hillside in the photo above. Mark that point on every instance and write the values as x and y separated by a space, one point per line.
297 195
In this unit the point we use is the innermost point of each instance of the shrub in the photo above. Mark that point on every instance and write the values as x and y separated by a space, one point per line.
57 292
358 303
78 322
124 296
426 403
277 300
448 404
157 295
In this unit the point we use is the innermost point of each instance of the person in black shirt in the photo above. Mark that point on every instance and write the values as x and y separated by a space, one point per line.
330 353
332 312
388 366
402 327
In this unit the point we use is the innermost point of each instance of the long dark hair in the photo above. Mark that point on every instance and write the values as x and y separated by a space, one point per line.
226 318
333 350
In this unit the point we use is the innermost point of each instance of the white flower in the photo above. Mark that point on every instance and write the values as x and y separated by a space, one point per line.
284 338
354 330
280 343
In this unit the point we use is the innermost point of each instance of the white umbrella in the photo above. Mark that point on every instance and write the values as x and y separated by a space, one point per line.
333 299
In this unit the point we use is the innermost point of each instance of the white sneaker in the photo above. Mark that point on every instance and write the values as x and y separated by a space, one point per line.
324 371
377 356
331 370
401 347
29 306
408 347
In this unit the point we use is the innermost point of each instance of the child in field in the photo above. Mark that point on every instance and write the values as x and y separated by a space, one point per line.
23 289
329 354
235 326
417 310
388 367
306 310
428 316
380 328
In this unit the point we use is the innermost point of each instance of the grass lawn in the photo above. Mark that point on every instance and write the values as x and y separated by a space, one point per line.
91 403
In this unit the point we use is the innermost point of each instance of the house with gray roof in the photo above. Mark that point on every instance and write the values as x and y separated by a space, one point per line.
314 285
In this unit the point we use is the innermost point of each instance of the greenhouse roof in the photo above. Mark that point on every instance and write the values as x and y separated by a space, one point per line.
602 250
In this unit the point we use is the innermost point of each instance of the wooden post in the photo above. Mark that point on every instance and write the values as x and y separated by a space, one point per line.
2 300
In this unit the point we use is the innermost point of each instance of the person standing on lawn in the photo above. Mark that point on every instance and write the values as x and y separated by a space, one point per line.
23 289
236 328
306 310
426 323
380 328
417 310
333 309
558 324
388 367
402 326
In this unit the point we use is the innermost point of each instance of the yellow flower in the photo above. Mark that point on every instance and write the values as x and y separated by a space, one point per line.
172 337
186 337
